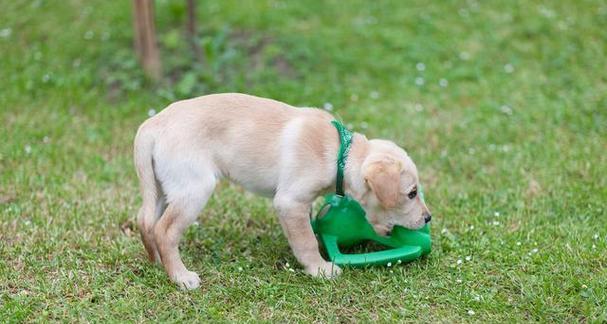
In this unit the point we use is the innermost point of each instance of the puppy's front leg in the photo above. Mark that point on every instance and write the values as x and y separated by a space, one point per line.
295 223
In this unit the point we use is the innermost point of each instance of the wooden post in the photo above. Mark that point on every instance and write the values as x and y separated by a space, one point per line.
191 31
145 38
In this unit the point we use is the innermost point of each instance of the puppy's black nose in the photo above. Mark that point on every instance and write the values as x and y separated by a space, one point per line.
427 218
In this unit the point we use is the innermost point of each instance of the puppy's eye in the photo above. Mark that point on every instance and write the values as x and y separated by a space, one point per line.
412 194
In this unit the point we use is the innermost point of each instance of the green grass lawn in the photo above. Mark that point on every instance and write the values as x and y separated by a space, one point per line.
502 104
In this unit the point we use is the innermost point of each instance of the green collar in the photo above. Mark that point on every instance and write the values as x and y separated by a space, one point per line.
345 138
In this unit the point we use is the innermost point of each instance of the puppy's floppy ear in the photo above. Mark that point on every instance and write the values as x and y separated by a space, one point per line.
383 177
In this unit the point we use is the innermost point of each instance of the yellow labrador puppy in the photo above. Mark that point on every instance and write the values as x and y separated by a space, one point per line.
269 148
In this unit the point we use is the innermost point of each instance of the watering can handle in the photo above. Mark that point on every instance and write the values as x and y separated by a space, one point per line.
405 253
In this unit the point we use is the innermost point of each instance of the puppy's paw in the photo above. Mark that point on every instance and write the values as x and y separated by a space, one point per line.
187 280
324 270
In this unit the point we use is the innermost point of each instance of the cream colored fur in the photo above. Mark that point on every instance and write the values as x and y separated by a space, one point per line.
270 148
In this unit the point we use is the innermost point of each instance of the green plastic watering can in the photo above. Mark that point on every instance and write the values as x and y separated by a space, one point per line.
342 224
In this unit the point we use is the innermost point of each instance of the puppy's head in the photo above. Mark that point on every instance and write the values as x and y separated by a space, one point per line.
392 196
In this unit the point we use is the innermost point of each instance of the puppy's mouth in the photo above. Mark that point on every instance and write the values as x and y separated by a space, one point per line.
386 231
415 226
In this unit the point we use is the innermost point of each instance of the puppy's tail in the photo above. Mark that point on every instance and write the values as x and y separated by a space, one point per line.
143 155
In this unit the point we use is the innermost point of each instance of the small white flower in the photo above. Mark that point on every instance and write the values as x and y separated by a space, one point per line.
239 268
374 94
459 261
508 68
496 223
464 56
6 33
518 243
291 269
399 262
471 312
89 35
458 280
28 149
419 81
584 286
444 230
389 264
468 258
443 83
496 214
327 106
287 265
595 236
471 227
546 12
534 250
593 246
391 271
46 140
420 66
151 112
477 298
506 109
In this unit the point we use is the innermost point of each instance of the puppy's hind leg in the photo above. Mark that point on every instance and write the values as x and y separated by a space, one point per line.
153 198
148 214
180 213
